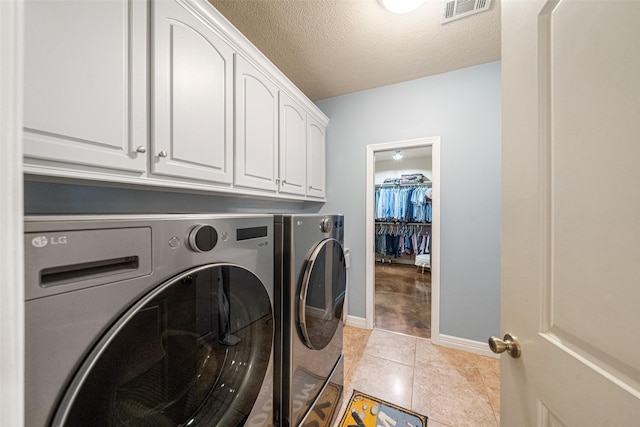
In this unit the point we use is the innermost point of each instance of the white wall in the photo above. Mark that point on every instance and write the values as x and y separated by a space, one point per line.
463 108
396 168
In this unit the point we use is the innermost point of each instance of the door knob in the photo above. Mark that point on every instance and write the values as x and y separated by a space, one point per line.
162 154
141 149
510 344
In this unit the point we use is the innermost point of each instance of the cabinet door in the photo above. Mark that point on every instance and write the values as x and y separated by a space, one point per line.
315 159
256 162
85 93
192 97
293 146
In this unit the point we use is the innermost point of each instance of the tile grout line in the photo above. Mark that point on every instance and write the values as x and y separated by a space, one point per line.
485 389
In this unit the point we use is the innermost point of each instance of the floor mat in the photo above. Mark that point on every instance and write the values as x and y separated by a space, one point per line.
367 411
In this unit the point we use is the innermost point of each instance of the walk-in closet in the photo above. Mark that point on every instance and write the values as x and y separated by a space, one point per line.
403 215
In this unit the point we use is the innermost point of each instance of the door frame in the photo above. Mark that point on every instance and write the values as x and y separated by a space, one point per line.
11 214
372 149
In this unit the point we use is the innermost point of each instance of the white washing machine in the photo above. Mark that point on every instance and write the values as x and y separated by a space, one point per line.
310 283
149 321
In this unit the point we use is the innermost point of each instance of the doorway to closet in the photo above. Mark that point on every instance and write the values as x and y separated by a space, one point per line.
403 214
402 275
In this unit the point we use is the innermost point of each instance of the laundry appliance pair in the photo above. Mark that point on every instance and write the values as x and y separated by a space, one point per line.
171 320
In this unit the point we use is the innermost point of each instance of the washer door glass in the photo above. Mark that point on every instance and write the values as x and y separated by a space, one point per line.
195 351
322 294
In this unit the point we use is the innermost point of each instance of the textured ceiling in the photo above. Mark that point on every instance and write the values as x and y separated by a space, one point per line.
330 48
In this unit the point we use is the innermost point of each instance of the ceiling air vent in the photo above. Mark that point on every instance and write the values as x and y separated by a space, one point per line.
456 9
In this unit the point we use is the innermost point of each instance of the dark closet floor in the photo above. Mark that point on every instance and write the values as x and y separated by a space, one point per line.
403 300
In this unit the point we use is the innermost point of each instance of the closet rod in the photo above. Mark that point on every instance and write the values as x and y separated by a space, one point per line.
406 184
425 224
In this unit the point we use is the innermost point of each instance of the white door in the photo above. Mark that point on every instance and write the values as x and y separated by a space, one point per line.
256 107
316 159
85 98
571 212
193 97
293 146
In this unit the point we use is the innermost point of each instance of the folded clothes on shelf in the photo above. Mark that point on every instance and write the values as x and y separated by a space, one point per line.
391 181
411 178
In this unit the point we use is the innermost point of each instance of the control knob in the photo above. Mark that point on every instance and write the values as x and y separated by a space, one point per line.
326 225
203 238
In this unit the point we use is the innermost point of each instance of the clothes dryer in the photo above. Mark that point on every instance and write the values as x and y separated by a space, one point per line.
310 276
149 321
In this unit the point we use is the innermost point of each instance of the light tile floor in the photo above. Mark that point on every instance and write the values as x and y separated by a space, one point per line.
453 388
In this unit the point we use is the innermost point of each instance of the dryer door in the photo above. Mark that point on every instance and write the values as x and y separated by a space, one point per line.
322 294
194 351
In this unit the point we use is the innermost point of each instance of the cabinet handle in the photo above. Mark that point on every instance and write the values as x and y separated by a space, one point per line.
162 154
141 149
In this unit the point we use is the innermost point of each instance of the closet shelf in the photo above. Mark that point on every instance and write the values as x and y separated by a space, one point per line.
406 184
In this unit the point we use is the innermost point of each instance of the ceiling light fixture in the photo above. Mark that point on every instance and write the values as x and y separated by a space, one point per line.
398 155
401 6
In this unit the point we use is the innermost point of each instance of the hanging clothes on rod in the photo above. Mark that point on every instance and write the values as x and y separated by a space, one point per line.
404 202
402 238
421 202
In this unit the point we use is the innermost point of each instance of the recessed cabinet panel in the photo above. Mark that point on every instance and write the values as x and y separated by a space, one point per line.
85 82
316 160
192 83
201 86
293 146
256 128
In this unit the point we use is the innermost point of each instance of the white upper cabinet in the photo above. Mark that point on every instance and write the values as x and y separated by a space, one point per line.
85 94
293 146
192 112
163 93
256 114
316 159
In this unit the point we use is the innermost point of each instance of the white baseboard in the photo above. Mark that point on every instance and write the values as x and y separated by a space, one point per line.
356 322
464 344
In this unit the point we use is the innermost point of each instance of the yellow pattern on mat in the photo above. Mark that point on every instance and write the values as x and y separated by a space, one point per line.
367 411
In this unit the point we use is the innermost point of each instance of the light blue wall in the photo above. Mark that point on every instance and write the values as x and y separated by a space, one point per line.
54 198
463 108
